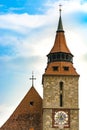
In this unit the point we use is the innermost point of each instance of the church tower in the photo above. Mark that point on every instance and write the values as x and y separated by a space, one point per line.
60 87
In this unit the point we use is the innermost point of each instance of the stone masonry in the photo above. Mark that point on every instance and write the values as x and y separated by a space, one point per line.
51 99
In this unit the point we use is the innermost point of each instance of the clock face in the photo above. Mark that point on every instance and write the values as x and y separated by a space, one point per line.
60 118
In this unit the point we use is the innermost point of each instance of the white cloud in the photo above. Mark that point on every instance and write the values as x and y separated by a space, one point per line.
21 22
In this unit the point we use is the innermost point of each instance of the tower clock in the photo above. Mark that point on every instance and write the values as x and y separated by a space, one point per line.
61 118
60 87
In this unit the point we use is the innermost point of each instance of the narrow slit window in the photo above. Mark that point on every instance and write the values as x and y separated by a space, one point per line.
61 94
61 100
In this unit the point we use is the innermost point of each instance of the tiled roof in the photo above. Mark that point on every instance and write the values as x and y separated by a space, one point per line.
60 44
62 68
28 114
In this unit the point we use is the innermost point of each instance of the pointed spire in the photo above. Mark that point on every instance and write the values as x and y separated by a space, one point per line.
60 59
60 40
60 26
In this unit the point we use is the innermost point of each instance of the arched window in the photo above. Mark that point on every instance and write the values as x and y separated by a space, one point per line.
61 94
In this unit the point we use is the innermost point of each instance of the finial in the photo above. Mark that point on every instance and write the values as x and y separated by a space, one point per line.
32 79
60 8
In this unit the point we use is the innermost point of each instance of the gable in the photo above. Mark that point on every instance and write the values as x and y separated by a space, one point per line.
28 114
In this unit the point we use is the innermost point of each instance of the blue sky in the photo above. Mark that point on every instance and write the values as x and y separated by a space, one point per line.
27 32
21 6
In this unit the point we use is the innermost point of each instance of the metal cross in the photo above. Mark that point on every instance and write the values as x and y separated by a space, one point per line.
60 8
32 79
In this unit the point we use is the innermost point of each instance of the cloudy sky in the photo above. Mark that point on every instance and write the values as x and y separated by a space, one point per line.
27 33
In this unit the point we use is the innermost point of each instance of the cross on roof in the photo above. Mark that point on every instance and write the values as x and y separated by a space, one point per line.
32 79
60 8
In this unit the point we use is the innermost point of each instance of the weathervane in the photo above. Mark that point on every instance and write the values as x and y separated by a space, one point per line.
32 79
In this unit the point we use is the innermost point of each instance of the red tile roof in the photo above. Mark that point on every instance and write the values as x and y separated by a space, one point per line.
60 44
61 71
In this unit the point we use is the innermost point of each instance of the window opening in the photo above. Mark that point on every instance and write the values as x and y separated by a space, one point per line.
66 68
61 94
55 68
31 103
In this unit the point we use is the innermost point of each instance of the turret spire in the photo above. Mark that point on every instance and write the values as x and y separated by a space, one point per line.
60 45
60 26
60 58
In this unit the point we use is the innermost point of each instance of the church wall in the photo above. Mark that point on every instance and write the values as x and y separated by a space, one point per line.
51 100
47 120
51 91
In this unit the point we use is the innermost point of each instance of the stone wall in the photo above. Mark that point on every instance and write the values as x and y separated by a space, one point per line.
51 100
51 91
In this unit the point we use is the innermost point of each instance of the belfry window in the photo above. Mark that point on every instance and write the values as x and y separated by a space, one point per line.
55 68
66 68
61 93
